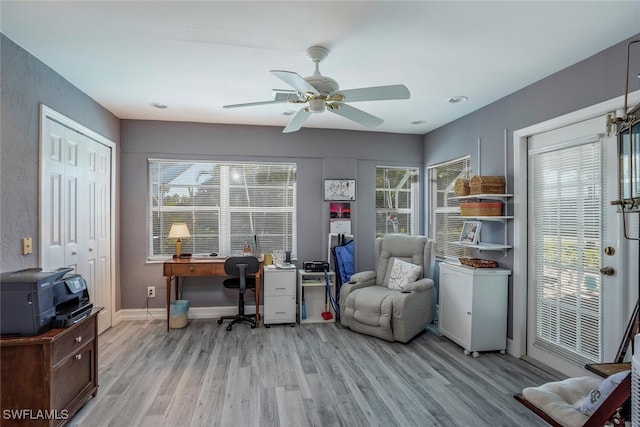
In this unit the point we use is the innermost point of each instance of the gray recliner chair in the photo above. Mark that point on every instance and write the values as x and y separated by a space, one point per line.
392 303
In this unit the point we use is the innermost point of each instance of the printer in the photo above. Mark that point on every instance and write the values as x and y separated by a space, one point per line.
34 301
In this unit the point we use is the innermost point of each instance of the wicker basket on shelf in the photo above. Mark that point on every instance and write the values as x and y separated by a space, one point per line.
478 263
487 185
461 187
481 209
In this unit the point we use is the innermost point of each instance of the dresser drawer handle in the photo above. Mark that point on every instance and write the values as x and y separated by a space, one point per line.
79 339
281 288
191 269
79 356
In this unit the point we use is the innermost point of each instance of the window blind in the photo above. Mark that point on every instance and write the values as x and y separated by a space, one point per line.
224 204
397 200
444 213
564 244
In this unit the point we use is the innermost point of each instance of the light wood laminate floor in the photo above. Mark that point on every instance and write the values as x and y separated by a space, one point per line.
308 375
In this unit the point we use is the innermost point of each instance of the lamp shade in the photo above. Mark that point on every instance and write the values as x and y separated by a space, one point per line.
179 230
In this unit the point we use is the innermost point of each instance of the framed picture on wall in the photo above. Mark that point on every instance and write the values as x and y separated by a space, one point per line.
339 190
470 232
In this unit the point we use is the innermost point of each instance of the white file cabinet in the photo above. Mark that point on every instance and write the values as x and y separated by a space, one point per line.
313 294
473 307
279 295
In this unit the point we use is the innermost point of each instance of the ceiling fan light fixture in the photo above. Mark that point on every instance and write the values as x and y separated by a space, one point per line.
316 105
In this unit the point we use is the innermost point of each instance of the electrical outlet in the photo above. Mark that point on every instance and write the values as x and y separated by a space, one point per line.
151 291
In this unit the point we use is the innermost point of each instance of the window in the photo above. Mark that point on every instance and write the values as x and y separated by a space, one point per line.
397 200
444 213
224 205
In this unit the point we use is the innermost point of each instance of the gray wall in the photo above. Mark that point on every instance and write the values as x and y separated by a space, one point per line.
594 80
318 153
26 83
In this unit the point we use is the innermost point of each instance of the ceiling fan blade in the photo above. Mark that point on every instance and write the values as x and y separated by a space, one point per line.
251 104
377 93
297 121
294 80
359 116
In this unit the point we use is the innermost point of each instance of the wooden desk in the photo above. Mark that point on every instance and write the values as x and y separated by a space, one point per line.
188 267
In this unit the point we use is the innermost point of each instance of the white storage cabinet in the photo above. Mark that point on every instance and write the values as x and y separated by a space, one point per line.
279 296
473 307
313 288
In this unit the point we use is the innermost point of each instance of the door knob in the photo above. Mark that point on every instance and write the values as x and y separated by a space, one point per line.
607 271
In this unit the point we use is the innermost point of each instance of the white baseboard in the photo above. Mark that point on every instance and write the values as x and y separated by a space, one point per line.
194 313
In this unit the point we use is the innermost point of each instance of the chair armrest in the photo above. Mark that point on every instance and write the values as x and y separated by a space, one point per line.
358 280
363 276
421 285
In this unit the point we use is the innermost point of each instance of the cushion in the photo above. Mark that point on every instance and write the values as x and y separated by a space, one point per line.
601 392
403 273
561 399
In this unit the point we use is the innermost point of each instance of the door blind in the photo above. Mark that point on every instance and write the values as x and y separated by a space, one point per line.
564 241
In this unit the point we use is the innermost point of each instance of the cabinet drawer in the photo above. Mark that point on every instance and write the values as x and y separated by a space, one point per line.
73 339
279 288
281 308
195 269
74 377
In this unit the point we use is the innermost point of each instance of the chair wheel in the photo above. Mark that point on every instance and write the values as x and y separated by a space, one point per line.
267 326
253 326
229 328
219 321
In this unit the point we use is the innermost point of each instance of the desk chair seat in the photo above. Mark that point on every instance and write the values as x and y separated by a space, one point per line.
242 271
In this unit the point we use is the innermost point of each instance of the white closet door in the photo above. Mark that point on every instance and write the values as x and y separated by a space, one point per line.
76 229
103 239
60 197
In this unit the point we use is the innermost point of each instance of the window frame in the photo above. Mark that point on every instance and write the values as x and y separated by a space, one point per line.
225 209
415 197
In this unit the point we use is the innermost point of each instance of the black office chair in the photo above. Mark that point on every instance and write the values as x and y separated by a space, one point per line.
242 270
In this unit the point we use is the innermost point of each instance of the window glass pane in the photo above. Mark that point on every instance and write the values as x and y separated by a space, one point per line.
224 204
397 200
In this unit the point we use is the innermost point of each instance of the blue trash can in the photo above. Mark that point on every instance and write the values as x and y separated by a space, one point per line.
178 311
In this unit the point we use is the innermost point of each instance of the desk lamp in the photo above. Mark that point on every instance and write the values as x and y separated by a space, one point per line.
178 231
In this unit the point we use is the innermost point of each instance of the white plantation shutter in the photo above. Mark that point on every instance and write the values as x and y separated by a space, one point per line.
567 286
446 224
224 204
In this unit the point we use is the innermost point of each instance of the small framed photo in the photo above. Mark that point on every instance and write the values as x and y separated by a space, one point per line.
470 232
340 190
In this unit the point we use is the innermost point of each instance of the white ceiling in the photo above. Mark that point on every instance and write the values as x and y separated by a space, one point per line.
198 56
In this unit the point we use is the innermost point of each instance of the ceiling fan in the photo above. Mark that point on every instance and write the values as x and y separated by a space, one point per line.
321 93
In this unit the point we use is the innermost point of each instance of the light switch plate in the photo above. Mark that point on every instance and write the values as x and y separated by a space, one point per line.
27 247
